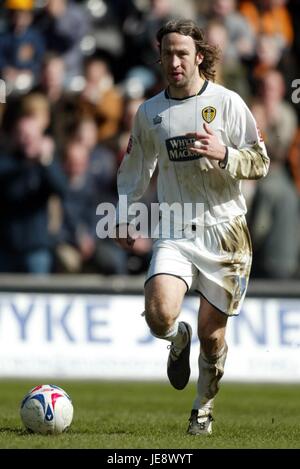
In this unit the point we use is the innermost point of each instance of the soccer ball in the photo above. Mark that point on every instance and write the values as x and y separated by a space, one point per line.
46 409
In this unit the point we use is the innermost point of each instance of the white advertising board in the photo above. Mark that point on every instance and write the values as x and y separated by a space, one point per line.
105 337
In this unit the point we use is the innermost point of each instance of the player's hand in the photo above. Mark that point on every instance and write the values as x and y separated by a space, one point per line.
207 144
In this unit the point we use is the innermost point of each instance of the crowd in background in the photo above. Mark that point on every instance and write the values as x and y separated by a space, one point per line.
75 74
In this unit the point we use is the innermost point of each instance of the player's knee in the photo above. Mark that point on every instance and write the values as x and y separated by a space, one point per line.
158 319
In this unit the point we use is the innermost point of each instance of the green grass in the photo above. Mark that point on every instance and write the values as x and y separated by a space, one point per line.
153 415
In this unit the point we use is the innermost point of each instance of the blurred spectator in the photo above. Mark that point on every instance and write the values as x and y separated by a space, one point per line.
139 82
240 40
29 175
36 104
100 98
76 238
21 47
292 68
269 17
186 9
230 72
274 213
106 34
53 77
274 225
274 35
63 104
294 10
64 24
269 54
140 37
129 15
78 249
102 165
275 116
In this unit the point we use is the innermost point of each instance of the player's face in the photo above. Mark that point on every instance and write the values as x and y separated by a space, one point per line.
180 62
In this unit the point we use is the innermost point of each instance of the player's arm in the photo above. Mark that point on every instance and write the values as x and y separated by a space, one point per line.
134 175
246 156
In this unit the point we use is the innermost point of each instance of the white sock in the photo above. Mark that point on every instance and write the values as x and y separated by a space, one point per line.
177 334
210 373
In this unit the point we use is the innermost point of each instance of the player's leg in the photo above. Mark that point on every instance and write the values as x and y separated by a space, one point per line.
212 357
224 264
163 298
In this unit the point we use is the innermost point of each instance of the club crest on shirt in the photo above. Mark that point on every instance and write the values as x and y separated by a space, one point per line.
209 113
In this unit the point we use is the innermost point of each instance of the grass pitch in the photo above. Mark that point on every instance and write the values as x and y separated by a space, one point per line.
153 415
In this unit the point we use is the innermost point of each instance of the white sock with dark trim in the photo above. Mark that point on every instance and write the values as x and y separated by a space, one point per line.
177 334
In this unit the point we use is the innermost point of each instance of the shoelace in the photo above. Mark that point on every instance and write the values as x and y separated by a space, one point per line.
175 351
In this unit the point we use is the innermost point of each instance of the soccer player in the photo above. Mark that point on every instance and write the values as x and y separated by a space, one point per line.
205 141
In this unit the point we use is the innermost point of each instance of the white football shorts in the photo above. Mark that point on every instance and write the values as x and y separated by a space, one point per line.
216 264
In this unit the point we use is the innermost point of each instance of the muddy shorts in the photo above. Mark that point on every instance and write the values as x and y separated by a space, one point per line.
216 264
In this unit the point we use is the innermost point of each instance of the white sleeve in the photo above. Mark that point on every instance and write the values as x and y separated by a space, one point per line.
247 155
139 161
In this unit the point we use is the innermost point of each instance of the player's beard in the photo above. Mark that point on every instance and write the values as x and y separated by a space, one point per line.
185 80
180 83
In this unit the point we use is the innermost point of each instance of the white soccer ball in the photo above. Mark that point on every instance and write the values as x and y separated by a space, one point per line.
46 409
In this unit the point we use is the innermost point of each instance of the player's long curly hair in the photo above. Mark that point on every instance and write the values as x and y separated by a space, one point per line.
189 28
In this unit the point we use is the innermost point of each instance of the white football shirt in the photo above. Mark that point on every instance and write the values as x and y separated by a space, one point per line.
159 137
